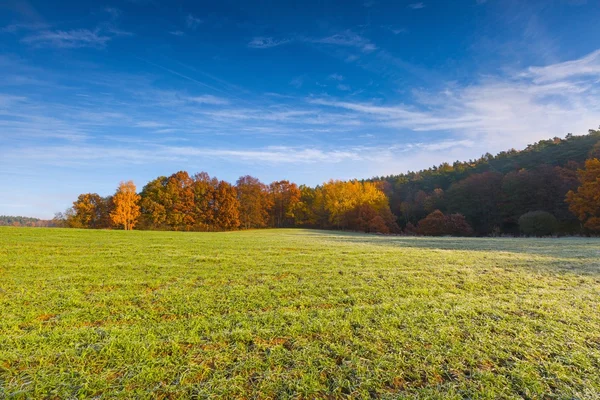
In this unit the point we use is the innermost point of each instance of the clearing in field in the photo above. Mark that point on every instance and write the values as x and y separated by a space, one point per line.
296 314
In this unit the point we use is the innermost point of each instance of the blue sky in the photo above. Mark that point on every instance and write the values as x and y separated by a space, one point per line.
95 92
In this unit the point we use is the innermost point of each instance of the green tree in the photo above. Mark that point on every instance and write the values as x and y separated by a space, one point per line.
538 223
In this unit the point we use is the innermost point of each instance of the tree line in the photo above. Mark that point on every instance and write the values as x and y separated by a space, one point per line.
184 202
551 187
494 192
7 220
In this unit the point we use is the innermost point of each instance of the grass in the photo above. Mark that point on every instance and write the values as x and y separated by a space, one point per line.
296 314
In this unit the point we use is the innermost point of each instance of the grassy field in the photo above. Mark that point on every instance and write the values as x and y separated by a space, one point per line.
296 314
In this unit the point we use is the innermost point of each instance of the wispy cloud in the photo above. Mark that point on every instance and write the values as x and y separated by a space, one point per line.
395 29
114 12
40 35
208 99
82 155
336 77
271 154
67 39
585 66
177 33
261 42
297 81
149 124
348 39
7 100
502 111
416 6
15 28
192 22
343 87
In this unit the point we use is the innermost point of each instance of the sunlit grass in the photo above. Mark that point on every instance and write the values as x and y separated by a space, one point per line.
296 314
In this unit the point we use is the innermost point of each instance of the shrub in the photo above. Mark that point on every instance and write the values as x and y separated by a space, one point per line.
458 225
435 224
378 225
538 223
410 229
438 224
366 218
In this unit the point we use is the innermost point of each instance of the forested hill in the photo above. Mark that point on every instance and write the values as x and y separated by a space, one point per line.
492 192
553 152
6 220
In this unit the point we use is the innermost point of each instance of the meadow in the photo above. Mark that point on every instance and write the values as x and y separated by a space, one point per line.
296 314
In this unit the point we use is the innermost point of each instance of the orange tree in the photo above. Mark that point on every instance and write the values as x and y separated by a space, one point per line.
126 209
585 202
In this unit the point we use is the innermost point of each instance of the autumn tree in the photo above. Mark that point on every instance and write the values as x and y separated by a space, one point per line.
204 189
90 210
153 204
585 201
347 203
255 202
305 210
180 201
435 224
126 208
439 224
284 196
226 207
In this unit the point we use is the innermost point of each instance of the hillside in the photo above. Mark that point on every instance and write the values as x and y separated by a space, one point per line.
493 191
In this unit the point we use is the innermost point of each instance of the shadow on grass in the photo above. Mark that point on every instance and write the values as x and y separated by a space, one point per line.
579 255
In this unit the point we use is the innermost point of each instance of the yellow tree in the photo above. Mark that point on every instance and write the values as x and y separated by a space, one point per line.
585 202
284 195
90 211
344 200
126 208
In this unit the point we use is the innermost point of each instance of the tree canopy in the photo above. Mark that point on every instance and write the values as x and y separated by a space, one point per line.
487 196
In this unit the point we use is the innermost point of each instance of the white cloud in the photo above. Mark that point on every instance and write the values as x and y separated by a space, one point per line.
149 124
343 87
7 100
348 39
585 66
67 39
297 82
272 154
14 28
114 12
500 112
395 29
192 22
177 33
261 42
208 99
416 6
336 77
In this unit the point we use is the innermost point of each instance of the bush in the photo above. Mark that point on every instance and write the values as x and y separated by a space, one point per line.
538 223
438 224
410 230
435 224
458 225
378 225
366 218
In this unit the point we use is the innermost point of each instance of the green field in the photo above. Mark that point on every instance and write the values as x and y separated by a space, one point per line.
296 314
